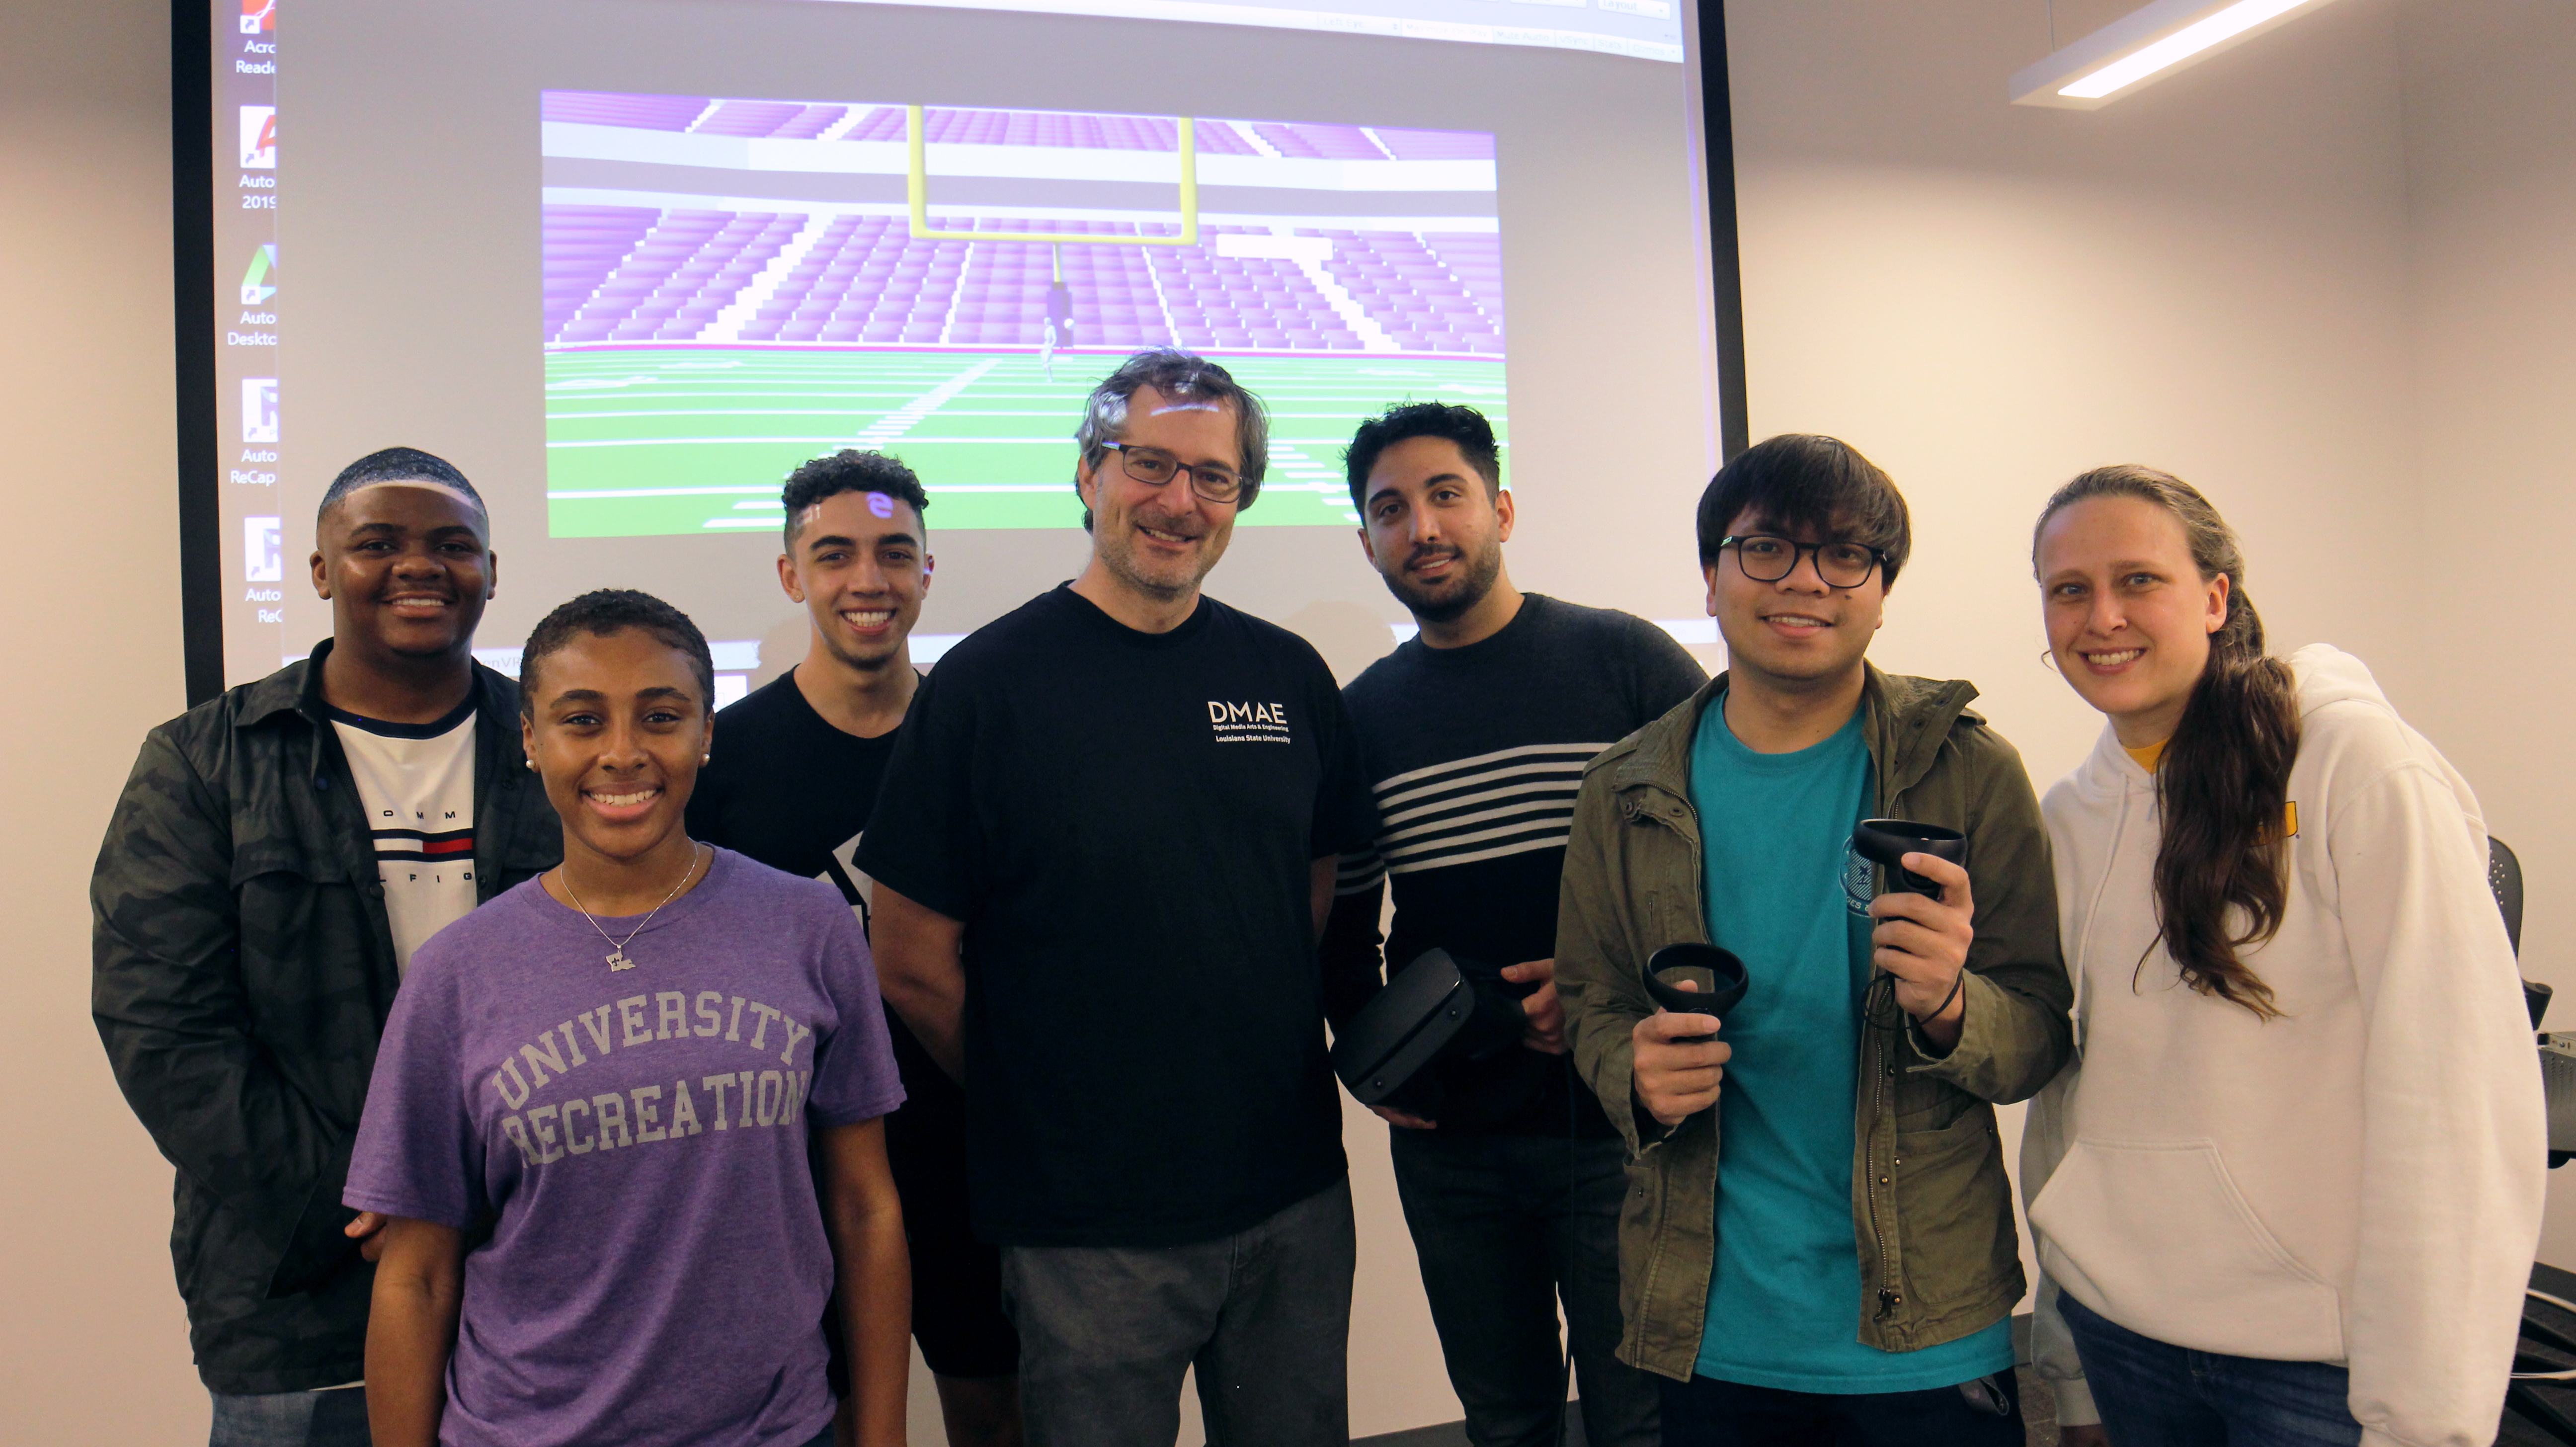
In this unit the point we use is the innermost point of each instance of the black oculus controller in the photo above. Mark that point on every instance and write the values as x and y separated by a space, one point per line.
1886 842
1718 976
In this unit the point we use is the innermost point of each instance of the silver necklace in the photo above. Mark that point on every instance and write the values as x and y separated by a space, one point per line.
617 948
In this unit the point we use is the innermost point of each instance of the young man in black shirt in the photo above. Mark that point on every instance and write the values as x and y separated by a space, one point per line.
791 782
1475 735
1103 852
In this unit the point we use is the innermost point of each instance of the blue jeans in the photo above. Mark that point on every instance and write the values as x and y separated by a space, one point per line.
337 1418
1704 1412
2154 1395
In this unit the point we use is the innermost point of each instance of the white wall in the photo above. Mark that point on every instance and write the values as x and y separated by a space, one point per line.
1986 299
93 1347
2491 180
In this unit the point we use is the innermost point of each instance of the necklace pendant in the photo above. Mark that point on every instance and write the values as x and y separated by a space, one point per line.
618 961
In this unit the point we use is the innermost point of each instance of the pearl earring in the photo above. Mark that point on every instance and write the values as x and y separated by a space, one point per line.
706 759
532 765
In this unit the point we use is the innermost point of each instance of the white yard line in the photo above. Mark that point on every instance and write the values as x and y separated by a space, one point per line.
908 416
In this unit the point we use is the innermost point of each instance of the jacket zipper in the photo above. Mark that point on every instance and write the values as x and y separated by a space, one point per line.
1881 1109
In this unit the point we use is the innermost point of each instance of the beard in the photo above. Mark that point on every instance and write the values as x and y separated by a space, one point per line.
1158 577
1447 601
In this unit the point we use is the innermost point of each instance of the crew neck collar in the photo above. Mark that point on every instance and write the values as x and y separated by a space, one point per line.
1098 617
1501 639
438 727
1715 733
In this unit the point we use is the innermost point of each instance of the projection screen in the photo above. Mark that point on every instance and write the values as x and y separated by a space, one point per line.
627 262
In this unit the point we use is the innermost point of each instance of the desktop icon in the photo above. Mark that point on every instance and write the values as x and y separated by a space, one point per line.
258 283
259 409
258 17
259 138
263 550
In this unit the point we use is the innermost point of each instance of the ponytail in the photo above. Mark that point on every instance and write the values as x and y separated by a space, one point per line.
2223 783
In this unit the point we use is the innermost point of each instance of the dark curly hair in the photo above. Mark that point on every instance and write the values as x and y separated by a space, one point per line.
1405 421
605 613
850 470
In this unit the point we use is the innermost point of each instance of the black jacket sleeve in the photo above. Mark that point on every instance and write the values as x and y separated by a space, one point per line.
168 1000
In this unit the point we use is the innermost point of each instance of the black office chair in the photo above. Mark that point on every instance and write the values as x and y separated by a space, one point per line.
2550 1287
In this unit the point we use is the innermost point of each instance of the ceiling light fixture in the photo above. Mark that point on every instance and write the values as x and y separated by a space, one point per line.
2145 45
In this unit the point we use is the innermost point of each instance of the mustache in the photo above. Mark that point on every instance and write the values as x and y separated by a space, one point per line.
1432 551
1166 523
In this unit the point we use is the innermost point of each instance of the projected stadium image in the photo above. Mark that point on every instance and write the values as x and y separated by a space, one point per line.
733 286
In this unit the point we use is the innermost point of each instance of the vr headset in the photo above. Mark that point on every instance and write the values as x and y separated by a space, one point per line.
1440 1007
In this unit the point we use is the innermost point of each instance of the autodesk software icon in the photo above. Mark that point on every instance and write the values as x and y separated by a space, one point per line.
259 138
259 409
264 550
256 284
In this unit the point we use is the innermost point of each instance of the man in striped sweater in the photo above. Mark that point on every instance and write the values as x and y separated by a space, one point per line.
1474 736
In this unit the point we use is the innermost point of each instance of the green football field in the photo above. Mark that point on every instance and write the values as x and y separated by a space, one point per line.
693 440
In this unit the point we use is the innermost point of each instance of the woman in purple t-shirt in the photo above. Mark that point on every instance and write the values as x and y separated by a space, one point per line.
591 1111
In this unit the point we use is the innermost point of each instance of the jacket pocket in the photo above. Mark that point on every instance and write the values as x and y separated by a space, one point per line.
2156 1236
1954 1206
253 858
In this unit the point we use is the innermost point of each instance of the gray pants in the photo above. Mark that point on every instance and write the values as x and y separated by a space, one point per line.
1264 1315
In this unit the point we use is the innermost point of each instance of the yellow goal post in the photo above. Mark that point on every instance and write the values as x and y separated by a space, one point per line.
917 191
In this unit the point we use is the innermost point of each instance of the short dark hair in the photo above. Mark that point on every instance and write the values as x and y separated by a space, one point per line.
604 613
398 464
1405 421
1175 373
850 470
1804 482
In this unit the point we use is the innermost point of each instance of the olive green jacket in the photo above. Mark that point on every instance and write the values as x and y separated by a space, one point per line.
1931 1207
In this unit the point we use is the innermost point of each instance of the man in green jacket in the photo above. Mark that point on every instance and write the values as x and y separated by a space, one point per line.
1852 1278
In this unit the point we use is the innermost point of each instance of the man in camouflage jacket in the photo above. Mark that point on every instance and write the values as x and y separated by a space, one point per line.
243 959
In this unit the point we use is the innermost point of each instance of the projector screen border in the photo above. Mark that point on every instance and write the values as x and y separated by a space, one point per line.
199 469
192 271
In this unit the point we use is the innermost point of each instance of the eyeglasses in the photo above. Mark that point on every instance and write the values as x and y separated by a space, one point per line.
1768 559
1154 466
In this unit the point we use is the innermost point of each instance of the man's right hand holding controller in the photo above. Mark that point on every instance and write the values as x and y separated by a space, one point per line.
1674 1074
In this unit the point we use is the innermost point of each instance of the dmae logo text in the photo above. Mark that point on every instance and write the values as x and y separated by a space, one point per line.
1248 723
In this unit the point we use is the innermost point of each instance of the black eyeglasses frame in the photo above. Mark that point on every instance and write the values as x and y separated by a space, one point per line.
1798 550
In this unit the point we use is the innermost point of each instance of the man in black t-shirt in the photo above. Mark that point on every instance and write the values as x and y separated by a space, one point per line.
1475 735
1103 852
791 780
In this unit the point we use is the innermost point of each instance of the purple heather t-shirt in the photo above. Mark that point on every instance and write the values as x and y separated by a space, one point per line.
636 1141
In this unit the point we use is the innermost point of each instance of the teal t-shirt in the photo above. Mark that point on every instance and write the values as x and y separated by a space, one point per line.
1784 1298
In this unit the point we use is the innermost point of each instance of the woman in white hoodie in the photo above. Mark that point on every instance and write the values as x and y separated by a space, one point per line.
2290 1190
